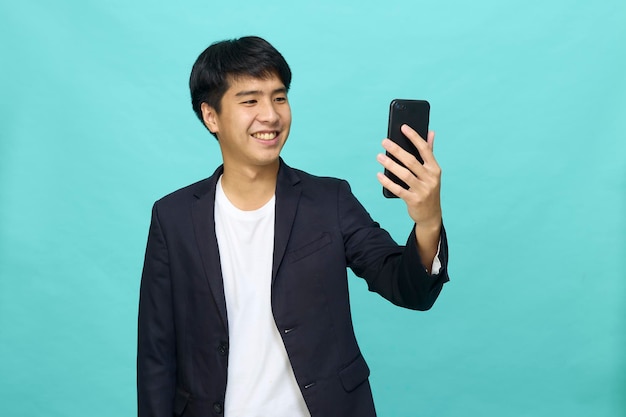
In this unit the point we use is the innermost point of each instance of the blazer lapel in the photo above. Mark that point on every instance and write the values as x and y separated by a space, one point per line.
203 213
287 197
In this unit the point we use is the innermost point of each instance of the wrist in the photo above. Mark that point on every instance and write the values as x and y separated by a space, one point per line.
430 225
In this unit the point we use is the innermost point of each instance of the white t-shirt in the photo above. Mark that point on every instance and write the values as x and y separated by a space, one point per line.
260 382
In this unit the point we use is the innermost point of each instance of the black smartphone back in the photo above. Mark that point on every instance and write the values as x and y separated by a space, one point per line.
414 113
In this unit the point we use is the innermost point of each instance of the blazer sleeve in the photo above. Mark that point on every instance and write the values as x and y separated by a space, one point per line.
156 352
393 271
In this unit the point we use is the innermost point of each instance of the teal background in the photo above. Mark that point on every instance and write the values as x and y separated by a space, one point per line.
529 105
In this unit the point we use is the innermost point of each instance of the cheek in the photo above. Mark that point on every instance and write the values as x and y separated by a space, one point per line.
240 122
286 116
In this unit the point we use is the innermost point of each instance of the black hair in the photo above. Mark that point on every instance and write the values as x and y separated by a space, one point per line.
248 56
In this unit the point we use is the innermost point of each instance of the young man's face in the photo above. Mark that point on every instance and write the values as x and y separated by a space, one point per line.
253 123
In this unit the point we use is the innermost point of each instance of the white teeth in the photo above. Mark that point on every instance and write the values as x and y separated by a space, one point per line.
265 136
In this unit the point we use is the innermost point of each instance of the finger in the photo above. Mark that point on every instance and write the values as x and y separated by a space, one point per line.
425 148
430 156
406 158
423 145
398 170
431 139
412 134
396 189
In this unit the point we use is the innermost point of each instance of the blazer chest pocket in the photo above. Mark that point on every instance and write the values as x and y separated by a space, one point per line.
310 248
354 374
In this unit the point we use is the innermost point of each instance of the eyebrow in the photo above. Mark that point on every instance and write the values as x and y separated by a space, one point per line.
259 92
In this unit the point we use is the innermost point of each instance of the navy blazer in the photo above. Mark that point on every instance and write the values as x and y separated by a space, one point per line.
320 230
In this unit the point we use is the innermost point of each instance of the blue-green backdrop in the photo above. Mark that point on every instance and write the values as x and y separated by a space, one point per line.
529 105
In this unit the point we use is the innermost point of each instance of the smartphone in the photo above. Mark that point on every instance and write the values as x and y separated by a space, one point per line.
414 113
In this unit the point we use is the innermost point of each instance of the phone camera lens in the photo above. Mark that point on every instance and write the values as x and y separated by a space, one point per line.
400 106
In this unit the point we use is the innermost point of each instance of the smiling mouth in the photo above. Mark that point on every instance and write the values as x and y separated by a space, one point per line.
265 135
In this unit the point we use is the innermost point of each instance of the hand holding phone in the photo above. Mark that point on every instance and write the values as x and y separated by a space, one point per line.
415 114
421 172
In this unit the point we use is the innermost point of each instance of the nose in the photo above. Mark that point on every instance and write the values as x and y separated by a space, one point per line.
267 112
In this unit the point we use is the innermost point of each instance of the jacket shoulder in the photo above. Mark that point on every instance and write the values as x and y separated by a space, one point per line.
195 190
184 193
310 179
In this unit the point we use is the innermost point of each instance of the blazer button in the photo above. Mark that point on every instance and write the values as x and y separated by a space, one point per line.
222 349
218 407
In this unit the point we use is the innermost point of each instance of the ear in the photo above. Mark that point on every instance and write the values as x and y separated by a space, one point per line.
209 117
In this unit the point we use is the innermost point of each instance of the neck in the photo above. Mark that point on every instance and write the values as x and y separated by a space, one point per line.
249 188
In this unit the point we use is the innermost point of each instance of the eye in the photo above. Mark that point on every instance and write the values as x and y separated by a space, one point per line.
249 102
281 99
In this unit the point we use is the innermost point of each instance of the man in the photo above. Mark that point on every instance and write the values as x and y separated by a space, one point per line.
244 306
